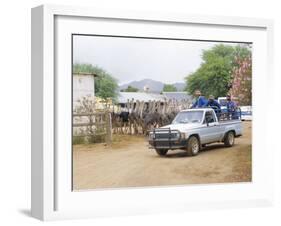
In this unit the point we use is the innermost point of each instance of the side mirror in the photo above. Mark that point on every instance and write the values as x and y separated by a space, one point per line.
208 120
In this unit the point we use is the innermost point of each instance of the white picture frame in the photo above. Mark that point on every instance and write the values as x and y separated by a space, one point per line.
52 197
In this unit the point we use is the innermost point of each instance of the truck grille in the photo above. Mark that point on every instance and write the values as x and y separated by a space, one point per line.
165 135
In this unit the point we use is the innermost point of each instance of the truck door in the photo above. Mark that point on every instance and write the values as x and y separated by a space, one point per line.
211 131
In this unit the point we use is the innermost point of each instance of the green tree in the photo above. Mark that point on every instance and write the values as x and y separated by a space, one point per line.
169 88
105 84
130 89
214 76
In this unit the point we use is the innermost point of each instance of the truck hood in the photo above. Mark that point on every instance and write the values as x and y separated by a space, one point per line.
182 127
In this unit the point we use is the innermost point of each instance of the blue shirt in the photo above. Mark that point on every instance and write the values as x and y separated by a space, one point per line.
200 102
231 106
213 103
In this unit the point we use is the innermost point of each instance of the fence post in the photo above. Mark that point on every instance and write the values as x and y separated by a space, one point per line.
108 128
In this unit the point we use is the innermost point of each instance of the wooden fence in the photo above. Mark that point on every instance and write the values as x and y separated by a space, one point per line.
93 126
136 117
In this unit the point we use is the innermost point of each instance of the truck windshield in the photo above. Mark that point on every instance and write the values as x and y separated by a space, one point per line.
188 117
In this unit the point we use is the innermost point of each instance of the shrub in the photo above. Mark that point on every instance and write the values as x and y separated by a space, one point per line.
78 140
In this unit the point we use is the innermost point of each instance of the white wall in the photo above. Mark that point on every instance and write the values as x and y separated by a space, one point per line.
15 111
83 85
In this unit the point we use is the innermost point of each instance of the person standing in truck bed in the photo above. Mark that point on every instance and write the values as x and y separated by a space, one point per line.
199 101
231 108
214 104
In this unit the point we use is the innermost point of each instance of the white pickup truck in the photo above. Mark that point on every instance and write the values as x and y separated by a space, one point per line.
192 129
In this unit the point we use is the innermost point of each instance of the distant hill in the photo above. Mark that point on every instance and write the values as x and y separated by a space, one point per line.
152 85
179 85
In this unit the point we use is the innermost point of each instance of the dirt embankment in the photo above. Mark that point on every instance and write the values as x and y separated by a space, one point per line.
130 163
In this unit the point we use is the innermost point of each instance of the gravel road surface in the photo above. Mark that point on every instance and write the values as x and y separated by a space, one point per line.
130 163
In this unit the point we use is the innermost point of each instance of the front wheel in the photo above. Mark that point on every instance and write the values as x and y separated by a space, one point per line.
229 139
161 152
193 146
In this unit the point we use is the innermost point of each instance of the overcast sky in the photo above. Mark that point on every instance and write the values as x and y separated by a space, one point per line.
129 59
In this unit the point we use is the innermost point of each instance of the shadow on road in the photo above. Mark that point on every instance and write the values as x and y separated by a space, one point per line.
182 153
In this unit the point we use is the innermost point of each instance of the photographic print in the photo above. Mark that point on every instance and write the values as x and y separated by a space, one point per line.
159 112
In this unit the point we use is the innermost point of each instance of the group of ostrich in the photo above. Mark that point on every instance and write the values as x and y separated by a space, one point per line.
139 117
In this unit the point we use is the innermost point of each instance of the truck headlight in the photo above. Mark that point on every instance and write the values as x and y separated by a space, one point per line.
151 136
177 135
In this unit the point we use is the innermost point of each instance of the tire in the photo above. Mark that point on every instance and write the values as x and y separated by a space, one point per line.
229 139
161 152
193 146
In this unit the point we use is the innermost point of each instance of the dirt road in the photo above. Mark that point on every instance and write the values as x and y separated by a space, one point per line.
130 163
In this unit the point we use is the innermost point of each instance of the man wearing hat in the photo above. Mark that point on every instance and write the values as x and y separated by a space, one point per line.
214 104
